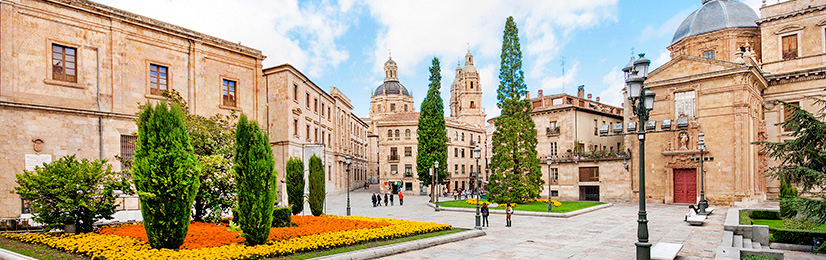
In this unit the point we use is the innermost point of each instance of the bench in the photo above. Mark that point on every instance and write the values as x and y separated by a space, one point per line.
696 220
708 211
665 251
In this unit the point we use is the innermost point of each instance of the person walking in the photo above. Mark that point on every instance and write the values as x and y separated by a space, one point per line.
385 199
509 212
485 214
401 199
391 200
374 200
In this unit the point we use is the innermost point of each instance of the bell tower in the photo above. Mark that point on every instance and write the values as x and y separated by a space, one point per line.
466 94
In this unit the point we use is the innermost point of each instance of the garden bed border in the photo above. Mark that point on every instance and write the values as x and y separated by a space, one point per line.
388 250
529 213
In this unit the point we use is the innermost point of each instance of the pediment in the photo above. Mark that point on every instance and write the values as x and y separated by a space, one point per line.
685 65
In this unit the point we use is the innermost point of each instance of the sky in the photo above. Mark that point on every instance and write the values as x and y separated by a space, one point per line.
345 43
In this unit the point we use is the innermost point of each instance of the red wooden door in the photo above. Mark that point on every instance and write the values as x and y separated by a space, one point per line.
685 186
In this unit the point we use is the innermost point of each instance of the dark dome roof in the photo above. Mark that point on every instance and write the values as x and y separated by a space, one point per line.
715 15
391 88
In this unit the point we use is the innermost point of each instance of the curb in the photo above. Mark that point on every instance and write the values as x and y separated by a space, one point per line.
529 213
9 255
388 250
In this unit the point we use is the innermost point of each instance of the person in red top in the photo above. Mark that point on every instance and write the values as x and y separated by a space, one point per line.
401 199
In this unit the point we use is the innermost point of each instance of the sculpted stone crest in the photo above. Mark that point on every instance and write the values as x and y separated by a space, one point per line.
683 141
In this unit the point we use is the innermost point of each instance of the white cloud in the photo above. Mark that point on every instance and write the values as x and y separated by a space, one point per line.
615 82
551 84
665 56
666 29
302 34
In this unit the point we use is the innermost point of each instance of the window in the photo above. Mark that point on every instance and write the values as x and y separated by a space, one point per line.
554 175
408 151
456 168
407 133
394 169
684 104
788 113
553 149
595 127
463 137
315 105
405 107
397 134
394 154
392 107
295 127
455 152
463 152
789 43
308 100
127 149
295 92
64 63
408 170
471 87
322 109
389 134
329 117
408 186
472 105
308 132
228 91
463 169
709 54
158 79
588 173
315 135
554 193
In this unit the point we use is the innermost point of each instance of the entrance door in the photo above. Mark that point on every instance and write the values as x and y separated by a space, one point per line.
685 186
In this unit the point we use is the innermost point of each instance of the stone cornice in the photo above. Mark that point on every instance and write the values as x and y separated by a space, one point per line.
796 76
791 14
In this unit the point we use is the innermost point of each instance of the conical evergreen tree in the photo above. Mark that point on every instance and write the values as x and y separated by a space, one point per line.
255 179
514 165
165 172
432 136
295 185
317 193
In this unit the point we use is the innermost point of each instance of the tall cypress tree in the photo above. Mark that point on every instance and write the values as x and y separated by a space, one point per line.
166 173
516 175
432 136
295 185
255 179
317 193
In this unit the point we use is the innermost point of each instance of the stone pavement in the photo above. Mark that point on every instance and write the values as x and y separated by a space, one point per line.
609 233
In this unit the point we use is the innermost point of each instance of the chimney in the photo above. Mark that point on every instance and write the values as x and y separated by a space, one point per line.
597 99
540 93
589 96
580 91
527 94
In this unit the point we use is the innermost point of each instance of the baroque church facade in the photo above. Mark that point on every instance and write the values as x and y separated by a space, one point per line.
393 120
728 70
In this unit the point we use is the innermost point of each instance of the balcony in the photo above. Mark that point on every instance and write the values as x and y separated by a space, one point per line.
393 158
551 131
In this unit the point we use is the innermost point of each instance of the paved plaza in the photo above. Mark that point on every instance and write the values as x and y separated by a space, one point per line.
609 233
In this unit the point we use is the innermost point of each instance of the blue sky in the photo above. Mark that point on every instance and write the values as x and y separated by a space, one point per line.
345 43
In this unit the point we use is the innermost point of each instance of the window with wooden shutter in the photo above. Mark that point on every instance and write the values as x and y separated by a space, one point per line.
788 113
228 90
588 173
64 63
127 150
158 79
789 46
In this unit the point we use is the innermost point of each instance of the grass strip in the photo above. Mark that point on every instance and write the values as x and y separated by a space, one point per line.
567 206
41 252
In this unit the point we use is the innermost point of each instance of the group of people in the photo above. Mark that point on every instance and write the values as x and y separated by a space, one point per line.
377 199
486 212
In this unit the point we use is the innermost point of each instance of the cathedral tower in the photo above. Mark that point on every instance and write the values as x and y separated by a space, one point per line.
466 94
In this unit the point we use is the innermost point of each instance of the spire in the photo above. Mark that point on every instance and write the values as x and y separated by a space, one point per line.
390 69
468 57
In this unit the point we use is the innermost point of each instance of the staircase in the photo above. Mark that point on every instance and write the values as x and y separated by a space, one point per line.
733 245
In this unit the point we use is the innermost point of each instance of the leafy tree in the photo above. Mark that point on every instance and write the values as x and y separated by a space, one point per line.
255 176
295 185
317 192
165 173
432 134
215 193
802 160
68 191
515 168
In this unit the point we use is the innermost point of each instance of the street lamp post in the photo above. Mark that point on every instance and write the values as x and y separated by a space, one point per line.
347 161
435 185
642 101
549 160
476 154
701 144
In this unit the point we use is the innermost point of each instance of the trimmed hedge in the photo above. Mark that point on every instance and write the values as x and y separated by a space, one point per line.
317 193
744 217
796 236
765 214
281 217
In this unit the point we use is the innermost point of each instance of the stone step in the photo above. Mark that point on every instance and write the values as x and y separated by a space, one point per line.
746 243
756 245
728 237
737 242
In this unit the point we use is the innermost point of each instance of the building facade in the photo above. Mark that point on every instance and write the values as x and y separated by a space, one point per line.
394 122
723 80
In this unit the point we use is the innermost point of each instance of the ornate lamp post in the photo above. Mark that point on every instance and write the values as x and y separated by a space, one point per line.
549 160
641 101
701 144
476 154
435 185
347 161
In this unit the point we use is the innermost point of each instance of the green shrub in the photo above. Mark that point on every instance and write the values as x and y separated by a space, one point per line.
800 224
281 217
68 191
255 180
215 195
744 217
787 195
165 172
317 192
295 185
765 214
794 236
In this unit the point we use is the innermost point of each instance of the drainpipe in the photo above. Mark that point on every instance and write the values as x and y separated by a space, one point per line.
189 77
100 117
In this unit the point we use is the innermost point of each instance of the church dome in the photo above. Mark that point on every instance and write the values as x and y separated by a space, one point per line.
391 88
715 15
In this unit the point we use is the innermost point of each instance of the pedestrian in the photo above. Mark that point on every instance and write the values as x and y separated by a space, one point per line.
385 199
485 213
391 200
401 199
374 200
509 211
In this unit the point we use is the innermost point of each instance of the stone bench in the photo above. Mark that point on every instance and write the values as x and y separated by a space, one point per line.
665 251
697 220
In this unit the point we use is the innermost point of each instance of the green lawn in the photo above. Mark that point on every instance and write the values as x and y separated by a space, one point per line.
777 223
567 206
37 251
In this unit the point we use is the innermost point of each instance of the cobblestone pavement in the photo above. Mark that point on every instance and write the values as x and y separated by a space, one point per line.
609 233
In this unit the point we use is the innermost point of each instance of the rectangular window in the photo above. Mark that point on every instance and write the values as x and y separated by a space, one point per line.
295 126
596 127
127 149
408 186
408 151
315 135
228 90
322 109
315 105
788 112
158 79
463 152
394 169
455 152
684 104
408 170
308 100
308 133
463 169
553 149
64 63
708 54
394 154
554 175
588 173
789 46
295 92
554 193
456 168
392 107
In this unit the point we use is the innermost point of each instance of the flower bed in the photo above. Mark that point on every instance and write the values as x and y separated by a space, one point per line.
318 233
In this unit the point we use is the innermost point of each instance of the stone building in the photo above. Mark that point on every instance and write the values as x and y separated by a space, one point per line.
585 165
305 120
728 69
394 122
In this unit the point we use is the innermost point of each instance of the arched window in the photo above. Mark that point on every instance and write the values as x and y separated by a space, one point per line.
471 85
472 105
407 133
389 133
463 137
397 133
